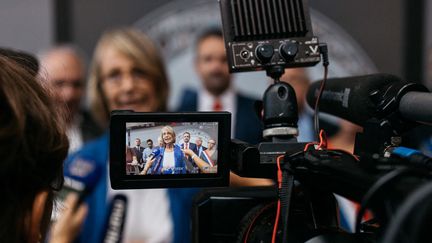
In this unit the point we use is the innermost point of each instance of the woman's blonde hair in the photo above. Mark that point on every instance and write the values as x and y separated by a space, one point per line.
143 52
169 129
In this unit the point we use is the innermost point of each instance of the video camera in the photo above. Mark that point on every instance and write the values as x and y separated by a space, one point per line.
271 36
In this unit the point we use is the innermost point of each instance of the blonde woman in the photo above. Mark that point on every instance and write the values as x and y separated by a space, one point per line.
127 72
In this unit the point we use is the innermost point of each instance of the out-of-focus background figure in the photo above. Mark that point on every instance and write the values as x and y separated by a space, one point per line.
64 71
217 92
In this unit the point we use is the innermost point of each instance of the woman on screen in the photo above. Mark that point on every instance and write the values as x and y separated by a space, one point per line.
168 159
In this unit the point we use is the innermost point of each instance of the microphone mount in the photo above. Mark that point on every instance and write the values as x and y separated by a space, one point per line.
387 125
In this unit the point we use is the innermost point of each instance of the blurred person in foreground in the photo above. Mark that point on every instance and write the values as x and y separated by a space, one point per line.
63 69
33 147
127 72
24 59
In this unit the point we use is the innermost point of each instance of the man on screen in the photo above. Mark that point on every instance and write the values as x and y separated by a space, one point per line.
148 150
190 165
138 151
186 144
200 148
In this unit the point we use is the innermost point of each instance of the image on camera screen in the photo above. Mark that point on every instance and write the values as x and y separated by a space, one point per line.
164 148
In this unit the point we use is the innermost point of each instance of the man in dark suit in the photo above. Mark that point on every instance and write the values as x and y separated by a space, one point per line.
190 165
218 94
186 142
138 151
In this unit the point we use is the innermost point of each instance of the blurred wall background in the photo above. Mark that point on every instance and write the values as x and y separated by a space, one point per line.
26 24
392 33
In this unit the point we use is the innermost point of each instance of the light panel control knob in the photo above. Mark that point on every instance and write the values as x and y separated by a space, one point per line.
264 53
289 50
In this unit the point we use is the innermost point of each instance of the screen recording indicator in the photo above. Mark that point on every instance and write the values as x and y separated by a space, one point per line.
171 148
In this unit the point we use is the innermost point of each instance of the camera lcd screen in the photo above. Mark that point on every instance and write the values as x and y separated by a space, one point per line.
159 150
171 148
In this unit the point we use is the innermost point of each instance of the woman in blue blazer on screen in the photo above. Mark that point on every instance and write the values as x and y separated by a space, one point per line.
168 159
